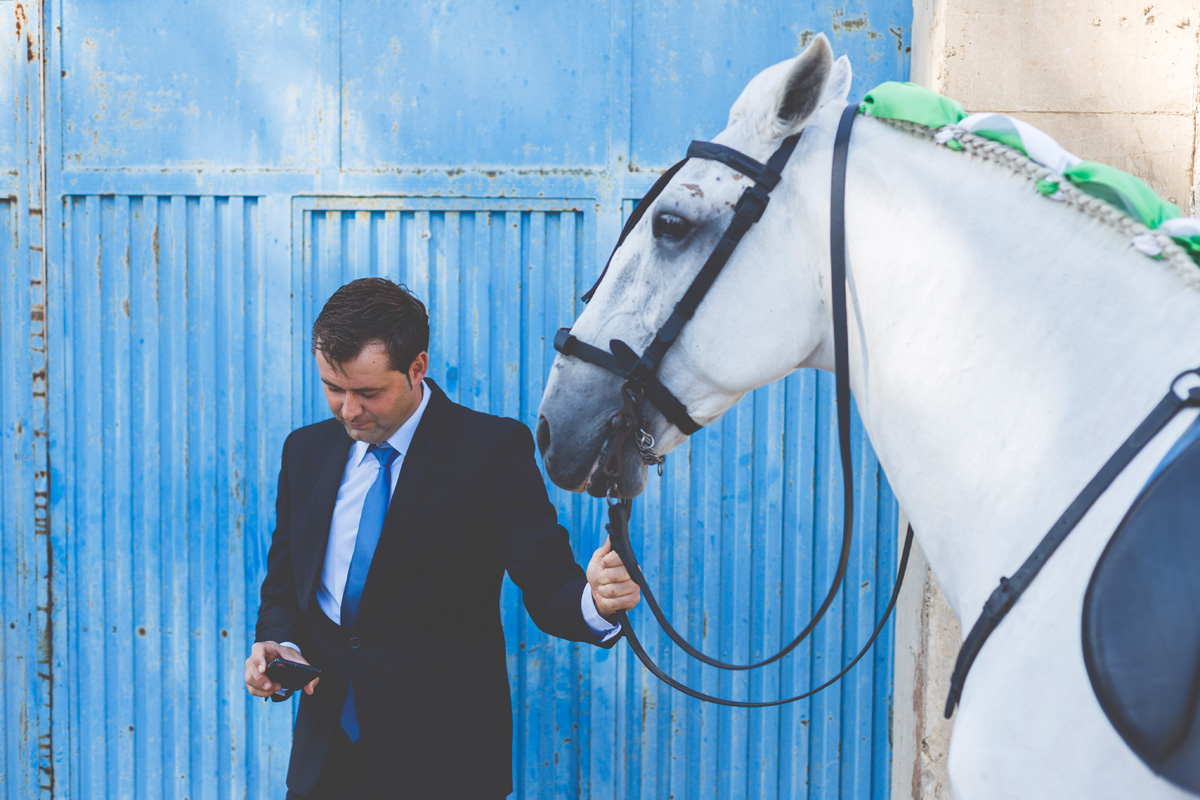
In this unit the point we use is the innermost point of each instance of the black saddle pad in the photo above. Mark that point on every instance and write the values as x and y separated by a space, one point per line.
1141 620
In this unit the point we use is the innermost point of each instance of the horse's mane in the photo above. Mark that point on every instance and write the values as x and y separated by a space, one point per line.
1017 162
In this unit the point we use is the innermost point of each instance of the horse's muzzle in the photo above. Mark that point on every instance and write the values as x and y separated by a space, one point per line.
602 462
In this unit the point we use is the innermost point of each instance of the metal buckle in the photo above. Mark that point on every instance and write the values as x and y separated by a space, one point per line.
1192 393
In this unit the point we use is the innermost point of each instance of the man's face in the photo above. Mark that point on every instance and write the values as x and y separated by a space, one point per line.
367 396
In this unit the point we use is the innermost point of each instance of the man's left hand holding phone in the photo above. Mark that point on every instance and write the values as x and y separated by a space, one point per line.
267 677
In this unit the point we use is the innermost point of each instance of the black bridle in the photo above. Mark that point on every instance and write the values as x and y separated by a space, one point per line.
641 381
640 372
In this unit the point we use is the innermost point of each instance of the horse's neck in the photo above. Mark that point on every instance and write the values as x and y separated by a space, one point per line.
1003 347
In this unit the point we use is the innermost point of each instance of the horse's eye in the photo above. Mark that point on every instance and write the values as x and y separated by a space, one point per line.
671 226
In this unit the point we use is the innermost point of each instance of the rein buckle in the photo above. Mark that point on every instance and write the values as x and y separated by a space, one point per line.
1188 394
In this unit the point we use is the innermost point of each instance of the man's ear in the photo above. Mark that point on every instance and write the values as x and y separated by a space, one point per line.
804 87
420 365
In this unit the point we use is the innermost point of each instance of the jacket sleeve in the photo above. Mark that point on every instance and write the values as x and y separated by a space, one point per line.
279 615
536 549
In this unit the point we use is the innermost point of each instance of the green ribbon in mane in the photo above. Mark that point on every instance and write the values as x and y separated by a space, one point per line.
909 102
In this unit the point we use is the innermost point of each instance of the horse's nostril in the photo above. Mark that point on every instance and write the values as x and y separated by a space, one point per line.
543 435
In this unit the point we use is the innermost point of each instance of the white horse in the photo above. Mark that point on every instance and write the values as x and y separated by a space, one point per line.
1002 346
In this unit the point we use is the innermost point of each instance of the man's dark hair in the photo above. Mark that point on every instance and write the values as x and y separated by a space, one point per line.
369 310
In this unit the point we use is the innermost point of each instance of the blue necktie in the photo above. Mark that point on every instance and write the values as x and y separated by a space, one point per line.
369 527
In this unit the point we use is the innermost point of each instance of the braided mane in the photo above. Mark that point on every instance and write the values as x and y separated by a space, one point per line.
1091 206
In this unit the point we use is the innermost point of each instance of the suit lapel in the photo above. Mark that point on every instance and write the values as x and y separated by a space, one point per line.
320 515
421 454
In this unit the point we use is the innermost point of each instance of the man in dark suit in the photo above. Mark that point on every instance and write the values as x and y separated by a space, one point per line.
395 523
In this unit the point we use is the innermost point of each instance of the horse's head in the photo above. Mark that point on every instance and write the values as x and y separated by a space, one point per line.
765 315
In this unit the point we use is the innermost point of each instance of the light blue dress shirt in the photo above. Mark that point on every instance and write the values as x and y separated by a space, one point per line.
357 478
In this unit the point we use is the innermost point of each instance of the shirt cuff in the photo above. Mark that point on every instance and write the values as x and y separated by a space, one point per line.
291 645
599 625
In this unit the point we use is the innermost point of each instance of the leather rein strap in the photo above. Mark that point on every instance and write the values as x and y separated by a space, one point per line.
618 528
1004 597
641 375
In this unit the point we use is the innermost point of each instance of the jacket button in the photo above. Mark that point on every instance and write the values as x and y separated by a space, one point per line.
354 643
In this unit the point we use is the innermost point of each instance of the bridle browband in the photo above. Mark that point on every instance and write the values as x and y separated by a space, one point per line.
641 380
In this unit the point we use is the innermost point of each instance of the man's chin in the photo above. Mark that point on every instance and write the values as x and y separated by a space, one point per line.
369 434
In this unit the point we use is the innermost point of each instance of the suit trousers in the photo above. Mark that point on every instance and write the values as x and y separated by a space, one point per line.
353 769
345 775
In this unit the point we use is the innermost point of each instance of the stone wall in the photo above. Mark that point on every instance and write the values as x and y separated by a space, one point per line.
1111 81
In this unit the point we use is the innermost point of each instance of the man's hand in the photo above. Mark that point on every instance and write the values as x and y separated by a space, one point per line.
612 588
261 654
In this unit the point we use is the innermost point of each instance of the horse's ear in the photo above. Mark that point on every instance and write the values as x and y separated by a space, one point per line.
838 87
804 87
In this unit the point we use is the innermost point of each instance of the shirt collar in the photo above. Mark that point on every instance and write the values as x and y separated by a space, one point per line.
401 440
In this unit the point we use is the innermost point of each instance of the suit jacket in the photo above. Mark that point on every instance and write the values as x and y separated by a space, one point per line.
426 650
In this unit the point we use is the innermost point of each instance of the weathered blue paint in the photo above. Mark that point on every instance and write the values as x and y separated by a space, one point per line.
172 408
27 651
214 171
19 641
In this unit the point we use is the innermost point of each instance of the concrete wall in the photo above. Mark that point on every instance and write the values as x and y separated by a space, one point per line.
1116 82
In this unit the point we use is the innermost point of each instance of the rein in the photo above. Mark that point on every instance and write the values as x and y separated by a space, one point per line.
641 381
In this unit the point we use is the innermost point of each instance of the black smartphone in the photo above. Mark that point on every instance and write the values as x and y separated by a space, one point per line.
291 674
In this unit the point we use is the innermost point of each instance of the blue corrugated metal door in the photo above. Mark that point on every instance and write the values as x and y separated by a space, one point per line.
213 172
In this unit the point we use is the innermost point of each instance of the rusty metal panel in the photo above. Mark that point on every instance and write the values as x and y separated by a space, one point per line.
680 46
26 605
415 100
12 111
191 85
173 448
19 636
